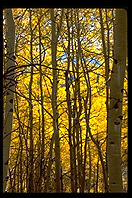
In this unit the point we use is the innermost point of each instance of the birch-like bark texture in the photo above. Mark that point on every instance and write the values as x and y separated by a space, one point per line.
116 96
10 85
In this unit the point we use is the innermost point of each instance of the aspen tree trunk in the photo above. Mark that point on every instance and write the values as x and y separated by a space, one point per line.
97 177
10 35
68 98
42 171
87 115
69 131
86 140
54 102
31 185
47 183
87 109
78 100
21 143
106 57
107 91
74 109
90 168
116 95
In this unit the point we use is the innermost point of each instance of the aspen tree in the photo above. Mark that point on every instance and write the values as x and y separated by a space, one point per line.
10 84
31 188
42 105
87 115
16 108
87 102
78 102
74 106
116 96
70 113
49 164
106 57
54 101
68 98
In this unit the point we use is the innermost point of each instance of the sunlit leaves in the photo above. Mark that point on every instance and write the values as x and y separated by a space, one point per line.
91 60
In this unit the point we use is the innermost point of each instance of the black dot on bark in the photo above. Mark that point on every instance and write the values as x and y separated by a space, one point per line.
11 100
13 57
11 110
7 177
6 163
111 142
116 123
121 117
116 106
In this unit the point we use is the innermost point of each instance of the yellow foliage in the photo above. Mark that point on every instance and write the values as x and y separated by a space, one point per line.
91 48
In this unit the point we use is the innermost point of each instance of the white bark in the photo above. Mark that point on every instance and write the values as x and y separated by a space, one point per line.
10 85
115 111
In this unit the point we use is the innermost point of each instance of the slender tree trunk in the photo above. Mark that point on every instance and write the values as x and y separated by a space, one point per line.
49 164
21 143
116 95
74 111
61 180
31 180
97 177
106 57
10 85
107 91
54 102
42 171
78 102
69 106
85 146
87 108
90 168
